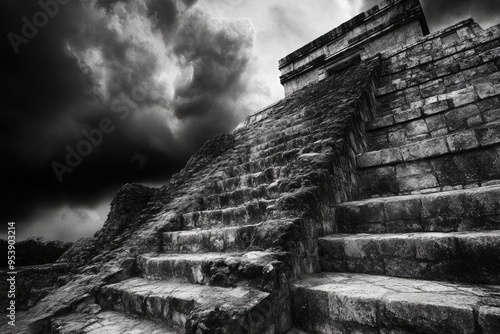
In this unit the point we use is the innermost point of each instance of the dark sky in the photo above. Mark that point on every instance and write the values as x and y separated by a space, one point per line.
163 76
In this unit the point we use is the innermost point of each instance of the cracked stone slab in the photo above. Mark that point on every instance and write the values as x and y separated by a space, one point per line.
347 303
458 256
456 210
207 268
107 322
176 303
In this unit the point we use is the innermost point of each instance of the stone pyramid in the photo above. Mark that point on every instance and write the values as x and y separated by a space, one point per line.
366 201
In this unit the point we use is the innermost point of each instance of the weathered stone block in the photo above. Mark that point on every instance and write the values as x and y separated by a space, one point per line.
478 165
425 149
416 182
457 119
486 90
446 171
407 115
389 156
380 122
489 134
439 133
356 308
463 97
474 121
492 115
397 136
492 54
401 209
369 159
435 247
489 319
435 122
381 180
416 128
413 168
462 141
483 203
432 89
428 312
448 205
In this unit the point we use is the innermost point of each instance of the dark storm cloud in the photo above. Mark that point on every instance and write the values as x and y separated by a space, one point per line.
216 57
442 13
176 71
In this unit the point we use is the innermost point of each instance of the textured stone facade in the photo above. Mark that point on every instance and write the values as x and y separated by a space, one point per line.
364 203
388 25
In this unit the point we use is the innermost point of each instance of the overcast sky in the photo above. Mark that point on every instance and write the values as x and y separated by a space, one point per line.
163 75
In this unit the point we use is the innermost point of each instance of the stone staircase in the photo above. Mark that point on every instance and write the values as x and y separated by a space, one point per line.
344 208
419 252
238 232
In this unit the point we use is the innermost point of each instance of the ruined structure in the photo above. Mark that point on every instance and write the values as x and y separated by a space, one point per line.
366 201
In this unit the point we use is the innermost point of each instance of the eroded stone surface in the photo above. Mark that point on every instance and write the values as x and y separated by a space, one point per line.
458 210
106 322
178 304
458 256
365 303
222 269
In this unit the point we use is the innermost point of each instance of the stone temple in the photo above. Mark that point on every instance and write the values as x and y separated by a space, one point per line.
366 201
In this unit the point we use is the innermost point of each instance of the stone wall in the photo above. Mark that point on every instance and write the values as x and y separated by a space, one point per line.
391 23
438 105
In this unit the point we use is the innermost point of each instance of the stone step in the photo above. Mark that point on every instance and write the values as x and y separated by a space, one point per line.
281 132
247 165
214 269
245 214
187 306
107 322
289 149
459 169
357 303
472 257
239 197
459 210
253 180
225 239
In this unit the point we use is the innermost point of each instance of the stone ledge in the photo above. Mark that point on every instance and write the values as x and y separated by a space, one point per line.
339 31
176 304
214 269
237 238
456 256
348 303
472 139
456 210
106 322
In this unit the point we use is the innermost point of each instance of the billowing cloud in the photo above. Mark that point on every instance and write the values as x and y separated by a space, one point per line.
160 76
163 76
